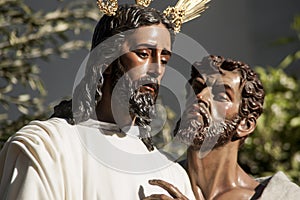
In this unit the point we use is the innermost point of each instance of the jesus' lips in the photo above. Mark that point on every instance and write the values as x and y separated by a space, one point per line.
151 88
148 84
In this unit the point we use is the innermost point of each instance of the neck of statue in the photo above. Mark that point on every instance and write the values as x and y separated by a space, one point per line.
217 172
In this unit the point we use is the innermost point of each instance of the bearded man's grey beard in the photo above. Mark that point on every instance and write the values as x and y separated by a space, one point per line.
193 133
141 104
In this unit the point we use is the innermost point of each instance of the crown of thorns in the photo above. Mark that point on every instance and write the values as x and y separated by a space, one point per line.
183 11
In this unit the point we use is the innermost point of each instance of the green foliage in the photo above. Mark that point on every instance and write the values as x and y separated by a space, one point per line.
27 36
296 25
10 127
275 143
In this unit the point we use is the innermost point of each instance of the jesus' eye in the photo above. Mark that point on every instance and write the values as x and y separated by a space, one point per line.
143 53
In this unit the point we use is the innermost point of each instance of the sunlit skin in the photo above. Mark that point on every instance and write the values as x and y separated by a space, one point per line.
145 52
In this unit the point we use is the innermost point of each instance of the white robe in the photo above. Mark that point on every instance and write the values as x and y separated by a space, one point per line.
279 187
54 160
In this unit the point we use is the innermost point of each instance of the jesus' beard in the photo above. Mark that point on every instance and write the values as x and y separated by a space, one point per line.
142 108
141 103
206 137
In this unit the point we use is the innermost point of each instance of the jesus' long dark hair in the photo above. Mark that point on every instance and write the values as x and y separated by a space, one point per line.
88 91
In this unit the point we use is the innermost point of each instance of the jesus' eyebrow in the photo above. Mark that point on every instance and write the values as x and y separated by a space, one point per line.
148 46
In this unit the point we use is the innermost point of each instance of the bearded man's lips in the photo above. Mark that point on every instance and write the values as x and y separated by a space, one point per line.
194 124
199 112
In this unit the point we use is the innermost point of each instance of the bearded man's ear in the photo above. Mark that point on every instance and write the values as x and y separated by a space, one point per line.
246 127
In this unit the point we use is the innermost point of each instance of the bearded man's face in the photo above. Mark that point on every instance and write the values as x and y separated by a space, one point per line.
211 116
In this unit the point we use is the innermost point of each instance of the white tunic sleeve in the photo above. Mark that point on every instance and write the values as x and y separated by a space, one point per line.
53 160
29 166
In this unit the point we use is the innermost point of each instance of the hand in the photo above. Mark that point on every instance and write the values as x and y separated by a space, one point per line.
171 189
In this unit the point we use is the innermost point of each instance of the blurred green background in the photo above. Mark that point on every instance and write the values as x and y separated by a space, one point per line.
28 36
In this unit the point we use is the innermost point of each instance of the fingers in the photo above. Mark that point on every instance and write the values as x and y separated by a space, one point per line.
171 189
158 197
